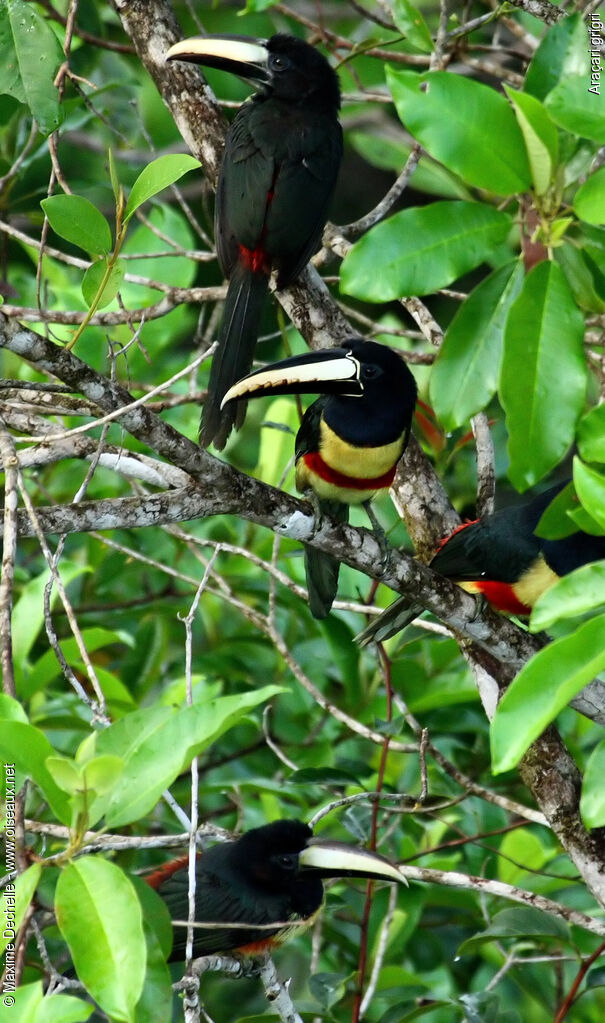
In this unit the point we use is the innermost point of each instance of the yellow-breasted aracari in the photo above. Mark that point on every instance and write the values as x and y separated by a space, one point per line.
279 169
271 875
501 558
350 439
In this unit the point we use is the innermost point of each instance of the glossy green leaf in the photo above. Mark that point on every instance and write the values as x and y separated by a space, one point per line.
542 688
65 773
28 615
11 710
102 772
544 334
28 748
15 898
465 373
155 913
483 142
576 268
100 917
555 522
591 434
574 107
30 56
419 250
520 852
580 591
589 200
590 488
76 219
47 667
63 1009
592 802
101 282
156 176
519 922
412 25
154 761
562 51
391 153
540 135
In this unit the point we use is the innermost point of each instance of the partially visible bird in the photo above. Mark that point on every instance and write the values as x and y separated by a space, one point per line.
501 558
278 173
350 439
256 892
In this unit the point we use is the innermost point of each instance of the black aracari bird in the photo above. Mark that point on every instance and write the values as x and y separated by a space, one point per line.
350 439
501 558
279 169
271 875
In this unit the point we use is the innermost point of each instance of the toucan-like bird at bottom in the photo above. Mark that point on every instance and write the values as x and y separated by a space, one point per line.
272 875
350 439
501 558
281 160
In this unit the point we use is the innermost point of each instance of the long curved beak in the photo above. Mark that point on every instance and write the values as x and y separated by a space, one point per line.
337 859
241 55
329 371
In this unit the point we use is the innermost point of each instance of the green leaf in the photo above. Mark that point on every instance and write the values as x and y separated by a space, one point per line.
483 142
30 56
591 435
563 51
65 773
556 523
101 773
592 802
11 710
63 1009
412 25
27 999
100 917
156 176
520 922
28 615
589 200
544 334
162 753
74 218
465 374
47 667
540 135
580 591
28 748
521 851
103 279
16 897
574 107
391 153
590 488
419 250
542 688
581 280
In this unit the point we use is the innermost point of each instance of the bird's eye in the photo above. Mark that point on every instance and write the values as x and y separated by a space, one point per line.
370 372
285 861
277 62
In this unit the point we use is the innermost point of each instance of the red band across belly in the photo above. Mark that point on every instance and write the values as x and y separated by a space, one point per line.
316 464
502 597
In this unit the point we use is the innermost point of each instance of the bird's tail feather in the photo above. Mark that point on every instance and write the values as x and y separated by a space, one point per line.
233 358
322 569
392 620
